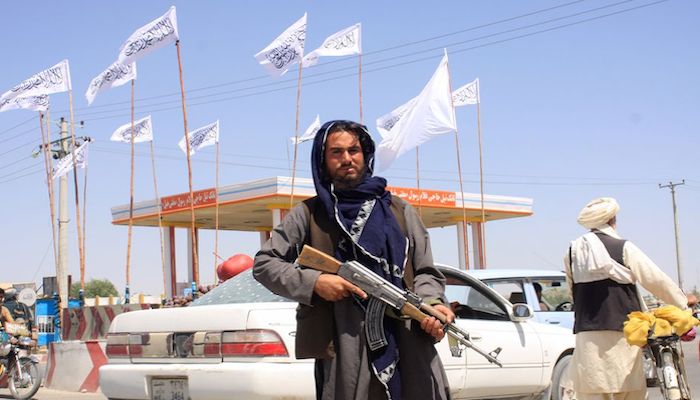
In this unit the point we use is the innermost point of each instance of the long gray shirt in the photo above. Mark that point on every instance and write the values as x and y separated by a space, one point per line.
349 374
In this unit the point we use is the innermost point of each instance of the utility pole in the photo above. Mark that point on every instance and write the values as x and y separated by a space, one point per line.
62 267
61 148
672 186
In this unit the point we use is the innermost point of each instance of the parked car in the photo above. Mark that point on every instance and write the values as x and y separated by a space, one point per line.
237 341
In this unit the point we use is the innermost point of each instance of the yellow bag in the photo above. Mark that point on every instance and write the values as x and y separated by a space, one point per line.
665 321
681 320
637 327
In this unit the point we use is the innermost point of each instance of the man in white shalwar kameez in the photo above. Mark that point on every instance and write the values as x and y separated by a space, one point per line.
603 272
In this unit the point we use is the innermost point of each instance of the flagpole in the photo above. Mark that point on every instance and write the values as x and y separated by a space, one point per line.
85 176
420 195
81 250
216 218
296 136
359 63
49 181
459 170
131 192
481 177
160 219
195 261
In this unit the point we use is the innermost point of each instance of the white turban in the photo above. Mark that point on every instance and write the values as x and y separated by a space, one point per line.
598 212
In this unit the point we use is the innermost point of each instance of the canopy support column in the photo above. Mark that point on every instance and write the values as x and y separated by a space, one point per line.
462 245
170 265
478 238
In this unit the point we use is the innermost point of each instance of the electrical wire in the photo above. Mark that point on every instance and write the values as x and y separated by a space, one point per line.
311 76
318 81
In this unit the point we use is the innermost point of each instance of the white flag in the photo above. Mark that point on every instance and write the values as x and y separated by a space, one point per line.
387 121
65 164
142 127
467 94
115 75
152 36
342 43
34 103
202 137
310 131
53 80
310 59
431 115
285 50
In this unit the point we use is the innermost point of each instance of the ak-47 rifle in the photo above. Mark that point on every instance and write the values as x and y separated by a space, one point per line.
383 293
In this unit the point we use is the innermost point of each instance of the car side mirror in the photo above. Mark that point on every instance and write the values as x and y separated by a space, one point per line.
521 312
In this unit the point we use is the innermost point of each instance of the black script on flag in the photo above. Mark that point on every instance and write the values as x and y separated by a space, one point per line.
115 72
46 79
159 32
284 54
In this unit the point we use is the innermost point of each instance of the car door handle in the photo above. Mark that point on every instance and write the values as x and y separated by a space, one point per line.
554 322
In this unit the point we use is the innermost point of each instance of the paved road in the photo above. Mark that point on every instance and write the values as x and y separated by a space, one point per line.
692 365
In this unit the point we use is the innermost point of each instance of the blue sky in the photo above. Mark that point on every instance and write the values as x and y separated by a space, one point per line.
580 99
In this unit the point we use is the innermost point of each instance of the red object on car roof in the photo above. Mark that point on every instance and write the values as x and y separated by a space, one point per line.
233 266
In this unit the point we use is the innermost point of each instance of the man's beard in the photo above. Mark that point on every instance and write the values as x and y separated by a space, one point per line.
349 181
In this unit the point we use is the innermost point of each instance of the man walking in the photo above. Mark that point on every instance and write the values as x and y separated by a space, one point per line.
603 271
354 217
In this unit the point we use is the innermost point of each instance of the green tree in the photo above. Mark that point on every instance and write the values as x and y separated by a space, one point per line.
95 287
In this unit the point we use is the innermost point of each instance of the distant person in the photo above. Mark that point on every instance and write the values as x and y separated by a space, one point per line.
604 272
538 291
5 316
20 311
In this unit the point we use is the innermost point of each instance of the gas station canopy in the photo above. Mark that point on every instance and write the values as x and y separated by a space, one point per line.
249 206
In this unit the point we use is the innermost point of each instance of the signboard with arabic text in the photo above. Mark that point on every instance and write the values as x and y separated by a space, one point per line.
426 197
182 201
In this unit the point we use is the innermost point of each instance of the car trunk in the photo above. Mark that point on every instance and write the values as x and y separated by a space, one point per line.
205 334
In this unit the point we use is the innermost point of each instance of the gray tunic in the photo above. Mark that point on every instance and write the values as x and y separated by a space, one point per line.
348 375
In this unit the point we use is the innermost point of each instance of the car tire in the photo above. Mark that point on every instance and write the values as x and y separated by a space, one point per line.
559 376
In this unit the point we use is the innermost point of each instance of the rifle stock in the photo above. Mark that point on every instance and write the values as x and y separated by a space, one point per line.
318 260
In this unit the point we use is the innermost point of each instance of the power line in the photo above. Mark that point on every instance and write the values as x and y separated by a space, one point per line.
16 126
22 176
291 86
393 177
395 65
615 180
312 76
32 142
341 60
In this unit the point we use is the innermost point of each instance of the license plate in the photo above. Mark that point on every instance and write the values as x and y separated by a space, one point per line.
169 389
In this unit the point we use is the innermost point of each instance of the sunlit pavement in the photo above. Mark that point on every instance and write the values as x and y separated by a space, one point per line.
692 365
48 394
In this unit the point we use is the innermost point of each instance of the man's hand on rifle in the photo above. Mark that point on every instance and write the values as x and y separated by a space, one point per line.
333 288
433 326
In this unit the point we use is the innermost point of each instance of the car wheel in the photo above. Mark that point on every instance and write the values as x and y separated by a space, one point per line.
562 387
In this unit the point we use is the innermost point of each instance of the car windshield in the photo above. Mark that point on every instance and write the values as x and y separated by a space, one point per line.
242 288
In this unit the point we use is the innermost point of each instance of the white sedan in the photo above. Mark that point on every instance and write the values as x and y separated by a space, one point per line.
237 342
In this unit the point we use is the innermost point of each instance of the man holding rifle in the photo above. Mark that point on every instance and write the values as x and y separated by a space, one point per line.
354 218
